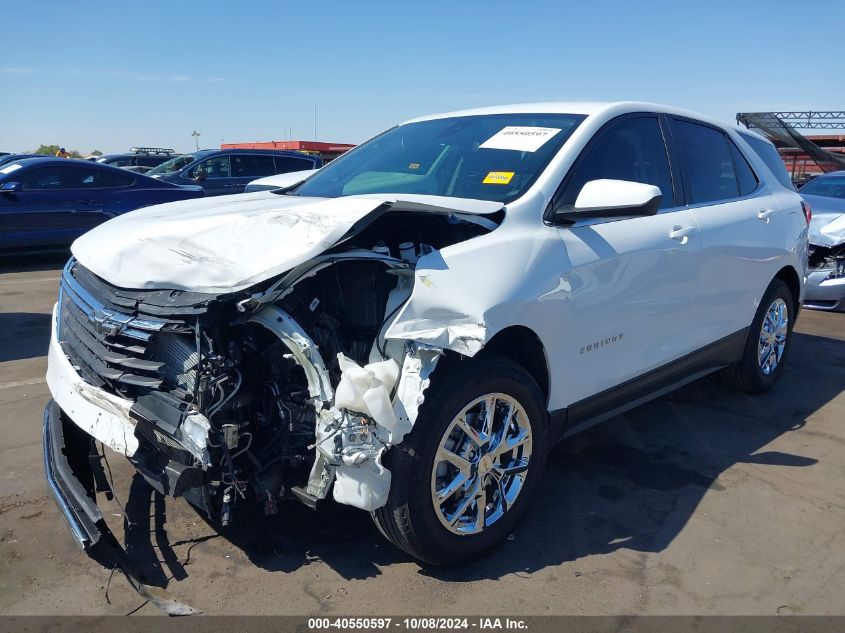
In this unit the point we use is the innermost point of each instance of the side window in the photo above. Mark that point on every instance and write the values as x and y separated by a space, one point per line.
284 164
45 178
212 168
52 178
709 164
148 161
251 165
745 177
629 149
124 161
769 155
106 179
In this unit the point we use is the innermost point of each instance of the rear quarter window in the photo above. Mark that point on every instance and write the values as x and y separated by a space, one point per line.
745 176
769 155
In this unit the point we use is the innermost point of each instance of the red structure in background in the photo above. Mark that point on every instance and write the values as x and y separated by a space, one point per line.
805 155
801 165
326 151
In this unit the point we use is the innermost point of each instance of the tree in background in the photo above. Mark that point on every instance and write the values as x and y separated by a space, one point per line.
96 152
47 149
51 150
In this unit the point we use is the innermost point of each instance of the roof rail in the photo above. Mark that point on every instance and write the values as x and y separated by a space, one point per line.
151 150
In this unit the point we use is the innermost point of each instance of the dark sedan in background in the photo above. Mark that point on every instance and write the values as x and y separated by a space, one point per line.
222 172
49 202
138 159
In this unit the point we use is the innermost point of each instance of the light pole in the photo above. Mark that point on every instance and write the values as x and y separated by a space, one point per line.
196 136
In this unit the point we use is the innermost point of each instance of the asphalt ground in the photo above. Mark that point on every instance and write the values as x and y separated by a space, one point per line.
702 502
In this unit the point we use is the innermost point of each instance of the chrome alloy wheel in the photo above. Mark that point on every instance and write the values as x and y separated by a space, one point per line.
481 464
773 336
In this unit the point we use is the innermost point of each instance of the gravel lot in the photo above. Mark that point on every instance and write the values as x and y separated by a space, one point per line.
703 502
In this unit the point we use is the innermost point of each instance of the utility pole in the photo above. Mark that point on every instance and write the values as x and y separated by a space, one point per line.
196 136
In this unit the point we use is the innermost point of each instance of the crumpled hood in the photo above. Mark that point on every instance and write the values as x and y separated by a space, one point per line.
229 243
827 228
217 245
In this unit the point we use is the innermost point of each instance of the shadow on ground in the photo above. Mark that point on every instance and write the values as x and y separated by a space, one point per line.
23 335
31 262
632 482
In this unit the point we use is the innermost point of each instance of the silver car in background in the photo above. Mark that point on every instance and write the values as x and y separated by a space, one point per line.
825 285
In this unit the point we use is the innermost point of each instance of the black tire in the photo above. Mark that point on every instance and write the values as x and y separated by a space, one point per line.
747 375
409 519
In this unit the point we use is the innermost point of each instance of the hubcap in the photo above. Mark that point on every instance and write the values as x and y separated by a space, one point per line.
481 464
773 337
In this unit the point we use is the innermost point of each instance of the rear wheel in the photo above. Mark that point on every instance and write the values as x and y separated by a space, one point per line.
463 477
768 342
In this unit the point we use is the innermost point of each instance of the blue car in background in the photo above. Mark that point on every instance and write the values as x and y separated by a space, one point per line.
49 202
228 171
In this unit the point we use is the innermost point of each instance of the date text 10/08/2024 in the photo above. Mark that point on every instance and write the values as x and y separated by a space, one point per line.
414 624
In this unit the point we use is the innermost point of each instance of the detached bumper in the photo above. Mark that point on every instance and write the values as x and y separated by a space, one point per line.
71 488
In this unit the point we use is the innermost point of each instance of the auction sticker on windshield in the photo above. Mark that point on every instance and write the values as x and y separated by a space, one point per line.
497 178
10 169
520 138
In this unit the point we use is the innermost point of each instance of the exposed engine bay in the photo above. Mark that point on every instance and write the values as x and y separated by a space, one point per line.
828 258
273 393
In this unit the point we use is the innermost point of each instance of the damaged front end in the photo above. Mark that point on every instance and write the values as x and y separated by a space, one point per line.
285 390
825 283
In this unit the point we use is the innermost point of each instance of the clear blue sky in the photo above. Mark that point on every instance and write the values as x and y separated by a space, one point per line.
107 75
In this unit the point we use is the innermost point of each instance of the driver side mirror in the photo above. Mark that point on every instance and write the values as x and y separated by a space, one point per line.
607 198
11 187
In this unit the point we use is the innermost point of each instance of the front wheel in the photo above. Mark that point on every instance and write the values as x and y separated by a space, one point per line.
768 342
463 477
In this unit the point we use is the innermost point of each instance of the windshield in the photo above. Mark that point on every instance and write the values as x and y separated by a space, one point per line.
486 157
173 165
830 186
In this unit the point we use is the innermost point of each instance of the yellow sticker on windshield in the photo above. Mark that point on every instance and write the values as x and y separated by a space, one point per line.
498 178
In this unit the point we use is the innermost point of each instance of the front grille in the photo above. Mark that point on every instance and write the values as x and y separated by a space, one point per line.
107 347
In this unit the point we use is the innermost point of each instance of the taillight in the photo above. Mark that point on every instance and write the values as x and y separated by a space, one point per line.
808 212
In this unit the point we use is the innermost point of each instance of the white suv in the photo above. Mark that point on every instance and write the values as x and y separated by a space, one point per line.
414 326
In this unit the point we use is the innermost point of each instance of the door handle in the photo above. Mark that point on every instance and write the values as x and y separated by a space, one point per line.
682 233
765 214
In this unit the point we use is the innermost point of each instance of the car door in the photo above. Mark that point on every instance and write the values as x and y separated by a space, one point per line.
113 192
630 280
248 167
56 204
739 220
214 175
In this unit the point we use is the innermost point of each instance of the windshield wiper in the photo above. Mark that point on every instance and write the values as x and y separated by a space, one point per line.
289 190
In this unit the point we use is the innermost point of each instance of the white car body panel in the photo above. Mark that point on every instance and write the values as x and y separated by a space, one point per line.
740 254
589 275
245 239
236 243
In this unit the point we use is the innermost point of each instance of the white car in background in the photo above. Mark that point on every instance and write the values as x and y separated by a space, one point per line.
412 328
278 181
